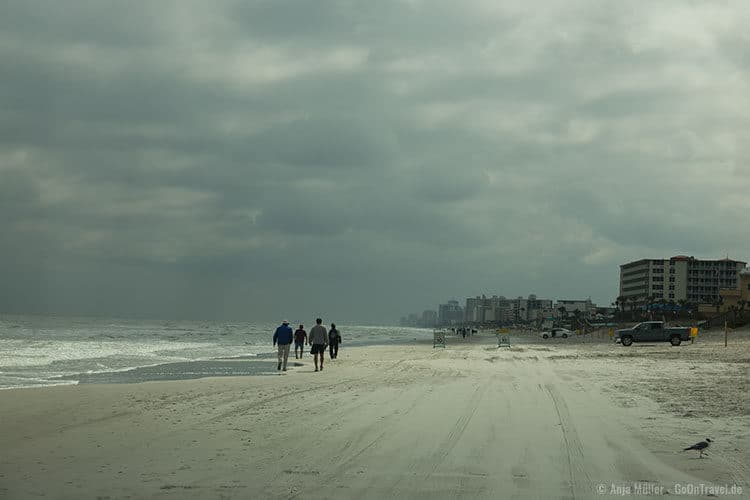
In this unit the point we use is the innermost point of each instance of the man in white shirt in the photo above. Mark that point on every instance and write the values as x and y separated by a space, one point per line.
318 339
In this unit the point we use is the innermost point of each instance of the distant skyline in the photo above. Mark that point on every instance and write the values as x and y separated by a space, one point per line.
362 160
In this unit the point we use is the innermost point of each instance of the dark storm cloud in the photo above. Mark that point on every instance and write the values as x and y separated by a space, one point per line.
237 159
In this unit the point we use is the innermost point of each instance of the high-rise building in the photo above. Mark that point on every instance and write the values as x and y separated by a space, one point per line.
451 313
483 309
538 309
429 319
679 278
498 309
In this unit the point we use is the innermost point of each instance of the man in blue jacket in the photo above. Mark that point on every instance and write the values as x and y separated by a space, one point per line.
283 336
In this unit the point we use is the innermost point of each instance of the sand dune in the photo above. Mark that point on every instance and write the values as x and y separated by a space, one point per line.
538 420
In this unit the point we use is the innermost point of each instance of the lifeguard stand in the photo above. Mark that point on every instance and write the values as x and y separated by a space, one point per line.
503 339
438 339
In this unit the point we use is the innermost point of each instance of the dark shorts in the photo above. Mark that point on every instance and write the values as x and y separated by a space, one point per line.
299 344
318 349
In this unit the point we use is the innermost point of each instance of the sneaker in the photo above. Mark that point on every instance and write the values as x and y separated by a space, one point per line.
316 369
283 370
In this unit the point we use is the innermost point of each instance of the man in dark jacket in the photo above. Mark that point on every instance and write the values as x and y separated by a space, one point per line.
334 339
283 336
300 336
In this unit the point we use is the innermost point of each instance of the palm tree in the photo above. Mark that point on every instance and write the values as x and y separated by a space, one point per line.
633 300
650 301
683 304
621 302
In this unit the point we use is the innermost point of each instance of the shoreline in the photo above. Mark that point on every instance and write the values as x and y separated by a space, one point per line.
188 369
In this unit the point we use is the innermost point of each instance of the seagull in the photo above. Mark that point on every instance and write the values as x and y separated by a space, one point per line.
702 446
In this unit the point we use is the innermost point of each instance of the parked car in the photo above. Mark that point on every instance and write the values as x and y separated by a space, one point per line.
557 332
652 331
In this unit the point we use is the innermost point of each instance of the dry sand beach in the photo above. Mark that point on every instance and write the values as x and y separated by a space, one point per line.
544 419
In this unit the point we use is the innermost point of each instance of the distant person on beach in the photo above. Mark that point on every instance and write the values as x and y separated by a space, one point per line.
318 339
334 339
300 336
283 336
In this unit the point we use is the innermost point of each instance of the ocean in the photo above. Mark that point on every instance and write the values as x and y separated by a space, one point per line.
38 351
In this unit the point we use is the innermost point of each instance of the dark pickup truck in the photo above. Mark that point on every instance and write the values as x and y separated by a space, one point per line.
652 331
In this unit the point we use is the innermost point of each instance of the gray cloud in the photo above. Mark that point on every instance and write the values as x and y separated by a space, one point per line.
238 160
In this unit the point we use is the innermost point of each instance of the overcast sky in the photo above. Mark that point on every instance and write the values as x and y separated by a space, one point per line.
362 160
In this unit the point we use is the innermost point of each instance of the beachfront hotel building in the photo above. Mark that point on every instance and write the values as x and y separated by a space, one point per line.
483 309
450 313
679 278
498 309
586 307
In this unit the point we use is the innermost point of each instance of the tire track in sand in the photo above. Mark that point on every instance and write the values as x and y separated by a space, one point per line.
281 477
578 475
368 438
454 435
241 408
437 458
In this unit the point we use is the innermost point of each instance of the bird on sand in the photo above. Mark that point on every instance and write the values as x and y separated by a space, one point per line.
701 447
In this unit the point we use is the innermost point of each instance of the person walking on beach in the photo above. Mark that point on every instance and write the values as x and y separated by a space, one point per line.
283 336
300 336
334 339
318 340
